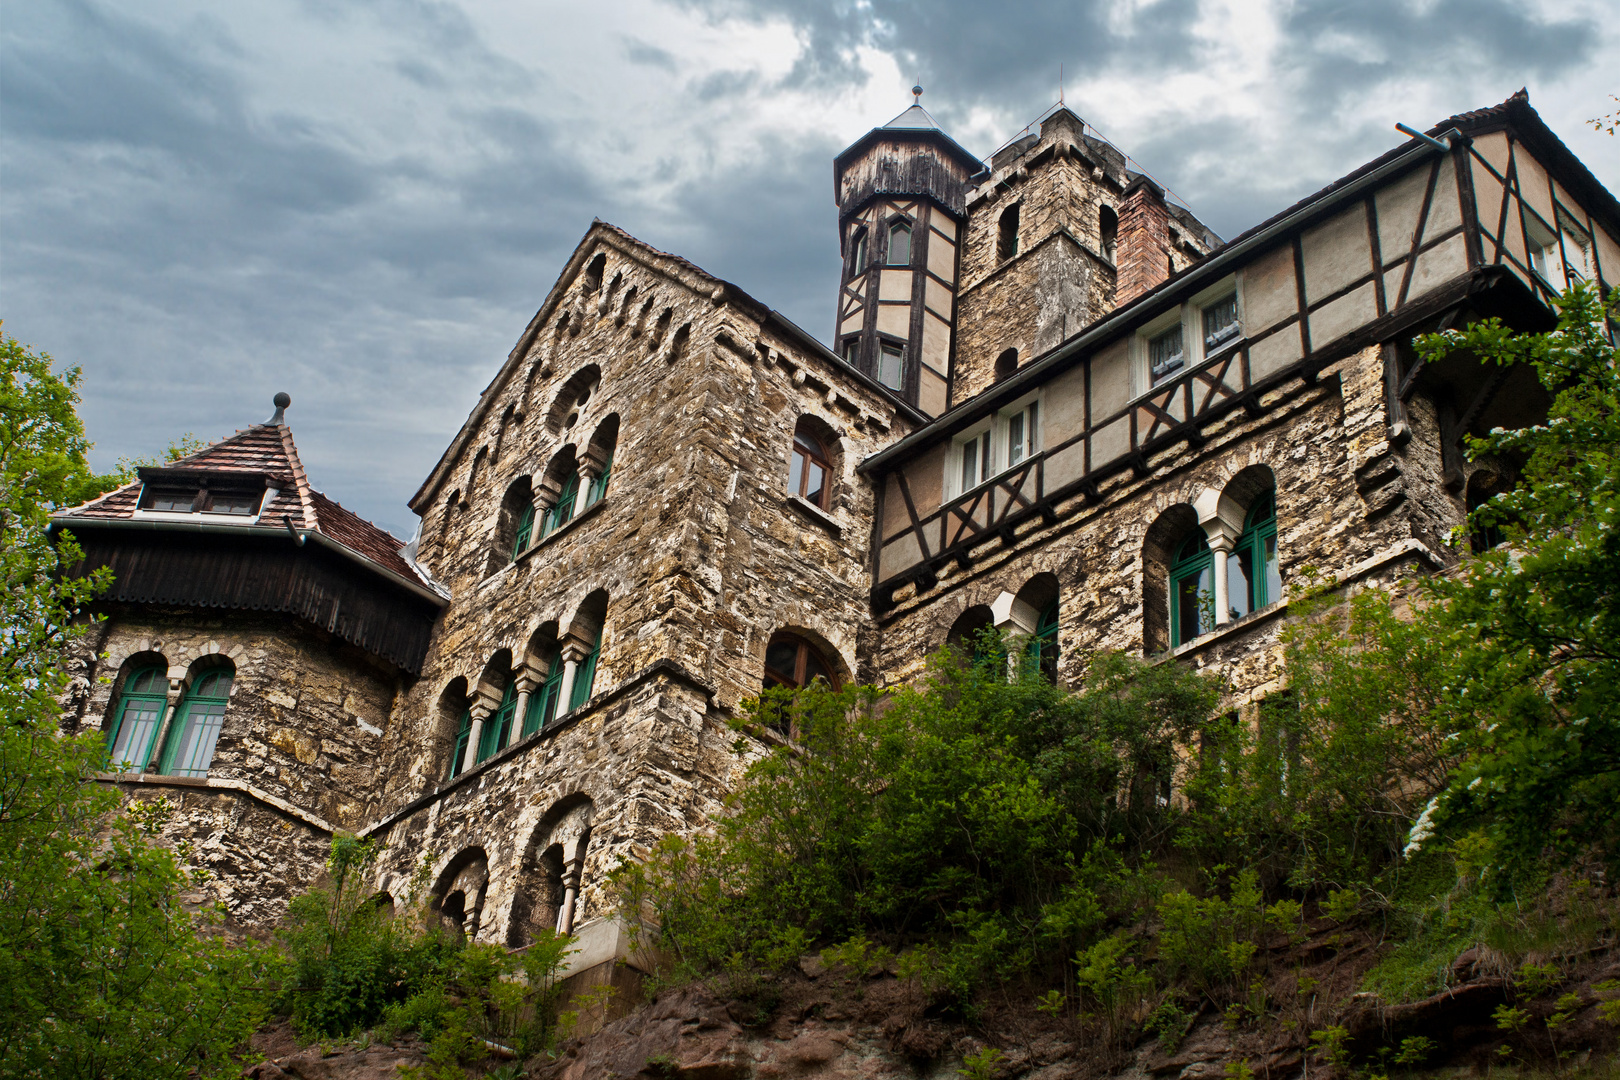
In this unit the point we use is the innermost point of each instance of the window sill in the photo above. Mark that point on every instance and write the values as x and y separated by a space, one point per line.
561 530
816 514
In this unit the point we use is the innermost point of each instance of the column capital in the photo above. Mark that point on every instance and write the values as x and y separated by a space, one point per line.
575 649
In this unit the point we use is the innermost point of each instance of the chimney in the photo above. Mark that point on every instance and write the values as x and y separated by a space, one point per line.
1143 261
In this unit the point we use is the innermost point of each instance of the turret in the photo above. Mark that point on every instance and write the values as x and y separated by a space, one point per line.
901 193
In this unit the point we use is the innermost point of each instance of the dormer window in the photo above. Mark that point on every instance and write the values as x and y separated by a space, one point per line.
1221 323
235 503
202 501
173 502
1165 354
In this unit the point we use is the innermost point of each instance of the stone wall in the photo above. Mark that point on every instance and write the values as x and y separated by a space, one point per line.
297 751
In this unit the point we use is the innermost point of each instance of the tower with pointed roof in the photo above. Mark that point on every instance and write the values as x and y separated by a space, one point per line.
900 190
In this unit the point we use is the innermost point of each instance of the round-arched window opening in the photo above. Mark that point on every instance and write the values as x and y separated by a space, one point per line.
792 662
809 468
1192 590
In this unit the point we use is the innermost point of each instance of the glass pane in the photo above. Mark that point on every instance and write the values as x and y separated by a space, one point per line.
984 456
584 678
852 351
900 245
238 504
815 482
1193 599
858 260
133 743
781 659
1240 580
146 682
1273 579
201 732
176 501
970 464
1221 322
890 369
814 668
213 684
1015 439
1164 353
796 473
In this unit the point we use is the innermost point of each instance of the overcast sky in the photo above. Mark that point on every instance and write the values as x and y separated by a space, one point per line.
362 202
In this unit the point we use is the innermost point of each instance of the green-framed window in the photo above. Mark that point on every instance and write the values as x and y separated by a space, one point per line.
1192 590
463 734
136 720
585 675
499 724
599 486
1043 645
525 531
189 749
560 514
1253 578
542 708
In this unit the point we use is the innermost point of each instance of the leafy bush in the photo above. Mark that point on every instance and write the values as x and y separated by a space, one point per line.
998 823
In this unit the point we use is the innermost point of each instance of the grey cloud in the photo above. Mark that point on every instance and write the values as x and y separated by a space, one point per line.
639 52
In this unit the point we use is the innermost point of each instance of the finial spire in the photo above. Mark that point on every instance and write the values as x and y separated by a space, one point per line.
280 401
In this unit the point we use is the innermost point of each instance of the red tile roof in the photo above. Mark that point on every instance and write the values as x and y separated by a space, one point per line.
268 449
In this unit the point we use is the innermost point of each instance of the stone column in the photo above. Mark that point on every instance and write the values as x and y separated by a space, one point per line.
573 865
574 653
1019 621
1222 520
591 466
1221 545
177 687
526 683
479 711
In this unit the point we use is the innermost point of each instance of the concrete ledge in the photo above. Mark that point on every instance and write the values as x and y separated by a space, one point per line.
212 783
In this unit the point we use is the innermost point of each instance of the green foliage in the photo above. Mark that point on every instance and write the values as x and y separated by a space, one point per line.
354 965
1532 686
994 821
104 970
981 1064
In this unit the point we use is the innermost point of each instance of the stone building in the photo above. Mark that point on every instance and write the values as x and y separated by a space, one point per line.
1056 404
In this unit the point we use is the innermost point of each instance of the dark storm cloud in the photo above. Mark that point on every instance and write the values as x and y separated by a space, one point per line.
198 239
195 257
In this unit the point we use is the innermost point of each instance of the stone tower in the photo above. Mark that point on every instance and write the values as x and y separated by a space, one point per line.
1059 231
901 193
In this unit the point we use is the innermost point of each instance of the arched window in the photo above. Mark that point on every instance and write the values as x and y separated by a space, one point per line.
139 712
563 512
1007 240
857 253
603 443
1108 231
1253 578
1192 590
525 531
793 662
458 753
499 724
1043 644
899 244
585 675
190 746
542 708
809 469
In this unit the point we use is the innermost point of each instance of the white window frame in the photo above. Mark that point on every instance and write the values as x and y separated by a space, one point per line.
1574 237
270 494
1190 316
1541 245
998 430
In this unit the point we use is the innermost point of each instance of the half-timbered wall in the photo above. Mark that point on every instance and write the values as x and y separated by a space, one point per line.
1320 292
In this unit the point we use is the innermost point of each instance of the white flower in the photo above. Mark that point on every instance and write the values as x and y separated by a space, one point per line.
1422 829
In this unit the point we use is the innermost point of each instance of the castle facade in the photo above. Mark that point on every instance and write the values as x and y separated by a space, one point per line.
1055 403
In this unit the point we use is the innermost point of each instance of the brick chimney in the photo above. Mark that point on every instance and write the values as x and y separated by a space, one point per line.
1143 259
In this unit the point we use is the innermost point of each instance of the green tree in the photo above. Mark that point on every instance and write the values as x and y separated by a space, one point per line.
104 970
1533 626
